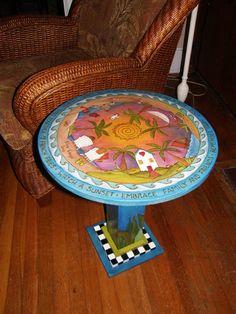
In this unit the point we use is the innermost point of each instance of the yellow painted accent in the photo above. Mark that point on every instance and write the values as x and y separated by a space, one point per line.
125 249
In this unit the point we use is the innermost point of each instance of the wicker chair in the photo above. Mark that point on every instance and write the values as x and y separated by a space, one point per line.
45 61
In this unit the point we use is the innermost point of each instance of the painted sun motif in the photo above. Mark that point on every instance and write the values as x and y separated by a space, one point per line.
127 131
130 142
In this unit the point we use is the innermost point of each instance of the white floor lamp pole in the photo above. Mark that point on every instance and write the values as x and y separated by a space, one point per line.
183 88
67 4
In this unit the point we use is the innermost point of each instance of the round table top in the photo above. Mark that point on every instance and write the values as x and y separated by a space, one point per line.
127 147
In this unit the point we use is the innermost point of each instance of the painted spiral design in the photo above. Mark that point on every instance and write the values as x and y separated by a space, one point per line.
127 131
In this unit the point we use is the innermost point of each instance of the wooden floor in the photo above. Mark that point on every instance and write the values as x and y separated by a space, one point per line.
48 264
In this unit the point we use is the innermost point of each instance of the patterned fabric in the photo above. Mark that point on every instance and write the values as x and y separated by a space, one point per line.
113 27
12 73
106 28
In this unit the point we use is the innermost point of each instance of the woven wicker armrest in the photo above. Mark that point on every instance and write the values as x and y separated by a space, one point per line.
47 89
170 18
25 36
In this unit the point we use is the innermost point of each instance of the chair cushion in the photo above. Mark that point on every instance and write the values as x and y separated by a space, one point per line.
12 73
114 27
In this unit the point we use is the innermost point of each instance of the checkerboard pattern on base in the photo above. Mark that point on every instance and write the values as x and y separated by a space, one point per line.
117 264
117 260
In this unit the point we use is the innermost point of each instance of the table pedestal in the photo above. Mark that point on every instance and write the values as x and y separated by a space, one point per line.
124 240
130 148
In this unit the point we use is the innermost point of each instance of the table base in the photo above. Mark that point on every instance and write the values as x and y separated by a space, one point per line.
114 263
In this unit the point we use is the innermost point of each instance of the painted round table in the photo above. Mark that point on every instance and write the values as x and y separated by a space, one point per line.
126 149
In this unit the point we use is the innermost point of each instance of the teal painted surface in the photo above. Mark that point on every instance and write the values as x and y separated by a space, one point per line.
125 224
112 193
113 271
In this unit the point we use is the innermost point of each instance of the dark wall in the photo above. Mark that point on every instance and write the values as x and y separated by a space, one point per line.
214 53
14 7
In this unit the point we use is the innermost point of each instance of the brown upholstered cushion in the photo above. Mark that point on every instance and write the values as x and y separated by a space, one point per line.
114 27
12 73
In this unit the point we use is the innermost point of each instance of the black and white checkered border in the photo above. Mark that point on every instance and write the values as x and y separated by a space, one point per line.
118 260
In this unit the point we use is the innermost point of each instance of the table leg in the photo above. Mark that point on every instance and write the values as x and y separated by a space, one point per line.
123 240
125 225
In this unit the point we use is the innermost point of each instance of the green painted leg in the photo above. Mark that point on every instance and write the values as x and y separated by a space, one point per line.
124 225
